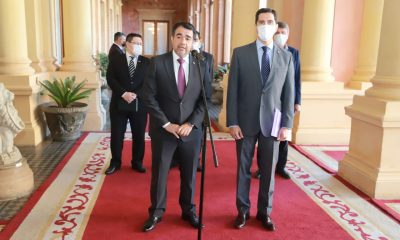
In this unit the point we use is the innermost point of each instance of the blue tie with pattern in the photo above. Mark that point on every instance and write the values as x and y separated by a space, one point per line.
265 65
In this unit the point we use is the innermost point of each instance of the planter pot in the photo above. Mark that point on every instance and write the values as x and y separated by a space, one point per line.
65 123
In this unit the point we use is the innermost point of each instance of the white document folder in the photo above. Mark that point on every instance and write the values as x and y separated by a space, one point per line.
276 125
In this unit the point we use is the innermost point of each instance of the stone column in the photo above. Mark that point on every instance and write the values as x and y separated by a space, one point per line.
13 41
78 38
372 163
369 43
316 44
79 56
322 119
227 31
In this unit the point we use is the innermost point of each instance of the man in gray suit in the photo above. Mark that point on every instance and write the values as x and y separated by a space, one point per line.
260 86
172 94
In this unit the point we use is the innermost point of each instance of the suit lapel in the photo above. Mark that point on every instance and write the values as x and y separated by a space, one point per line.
276 61
192 75
254 62
169 68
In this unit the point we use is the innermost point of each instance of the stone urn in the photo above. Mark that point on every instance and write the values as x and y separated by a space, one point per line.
65 123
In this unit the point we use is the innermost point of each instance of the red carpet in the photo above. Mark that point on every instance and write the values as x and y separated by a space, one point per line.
121 208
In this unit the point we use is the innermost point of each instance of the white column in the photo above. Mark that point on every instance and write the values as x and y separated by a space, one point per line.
13 41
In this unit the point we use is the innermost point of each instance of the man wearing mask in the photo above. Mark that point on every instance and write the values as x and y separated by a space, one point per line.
172 93
280 38
260 86
125 76
117 48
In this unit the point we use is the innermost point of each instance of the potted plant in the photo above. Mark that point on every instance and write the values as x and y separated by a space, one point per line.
65 116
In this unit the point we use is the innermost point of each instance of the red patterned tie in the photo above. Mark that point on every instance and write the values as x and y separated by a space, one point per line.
181 78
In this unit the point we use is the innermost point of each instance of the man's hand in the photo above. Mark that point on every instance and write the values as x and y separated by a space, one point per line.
297 108
129 96
173 129
236 132
185 129
283 134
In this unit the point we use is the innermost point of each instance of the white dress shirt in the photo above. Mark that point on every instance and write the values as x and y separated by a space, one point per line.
185 66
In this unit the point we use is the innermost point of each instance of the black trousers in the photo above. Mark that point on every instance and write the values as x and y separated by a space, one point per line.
187 156
283 153
267 156
119 120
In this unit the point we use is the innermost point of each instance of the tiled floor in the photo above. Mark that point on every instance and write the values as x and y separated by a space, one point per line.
42 159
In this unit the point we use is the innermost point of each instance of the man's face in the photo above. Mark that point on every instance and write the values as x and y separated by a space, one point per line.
266 26
121 40
182 41
282 31
266 18
130 44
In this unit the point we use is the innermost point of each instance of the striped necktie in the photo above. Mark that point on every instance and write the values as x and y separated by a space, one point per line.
132 66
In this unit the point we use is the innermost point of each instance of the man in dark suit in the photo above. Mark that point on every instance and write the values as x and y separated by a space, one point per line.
117 48
125 76
173 97
260 86
280 38
209 61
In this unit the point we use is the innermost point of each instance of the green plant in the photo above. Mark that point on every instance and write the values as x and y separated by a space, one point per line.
219 73
103 60
66 91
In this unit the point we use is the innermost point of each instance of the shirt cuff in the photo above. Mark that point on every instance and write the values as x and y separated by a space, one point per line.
124 94
166 125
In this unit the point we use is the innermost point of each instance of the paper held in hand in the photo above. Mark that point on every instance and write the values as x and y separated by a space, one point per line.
276 125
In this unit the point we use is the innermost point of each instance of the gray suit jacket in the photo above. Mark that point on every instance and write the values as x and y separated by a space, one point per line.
162 98
251 106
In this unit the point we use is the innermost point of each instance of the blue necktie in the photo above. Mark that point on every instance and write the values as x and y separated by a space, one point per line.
265 65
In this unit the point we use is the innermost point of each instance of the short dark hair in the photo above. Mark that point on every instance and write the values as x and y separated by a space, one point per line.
266 10
185 25
118 35
132 35
283 25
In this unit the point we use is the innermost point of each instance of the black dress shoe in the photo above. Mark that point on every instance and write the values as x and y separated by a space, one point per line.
138 167
151 223
192 219
112 169
241 219
283 173
257 174
266 221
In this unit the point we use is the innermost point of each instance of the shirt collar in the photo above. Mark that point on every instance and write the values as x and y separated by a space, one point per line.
176 57
259 44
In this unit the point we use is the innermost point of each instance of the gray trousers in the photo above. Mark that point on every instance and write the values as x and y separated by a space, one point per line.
267 155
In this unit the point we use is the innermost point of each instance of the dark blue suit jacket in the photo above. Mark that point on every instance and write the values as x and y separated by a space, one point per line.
297 78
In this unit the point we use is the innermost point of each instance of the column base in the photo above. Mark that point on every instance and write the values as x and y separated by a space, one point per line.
15 181
359 85
372 161
322 119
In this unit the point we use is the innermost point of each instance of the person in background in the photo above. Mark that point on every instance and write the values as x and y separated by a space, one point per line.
125 76
117 48
280 38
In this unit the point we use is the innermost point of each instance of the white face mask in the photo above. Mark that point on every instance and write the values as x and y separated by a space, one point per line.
280 39
137 49
265 32
196 46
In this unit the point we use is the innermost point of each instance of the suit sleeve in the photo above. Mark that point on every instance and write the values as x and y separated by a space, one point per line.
112 78
149 95
287 97
232 96
197 117
297 78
